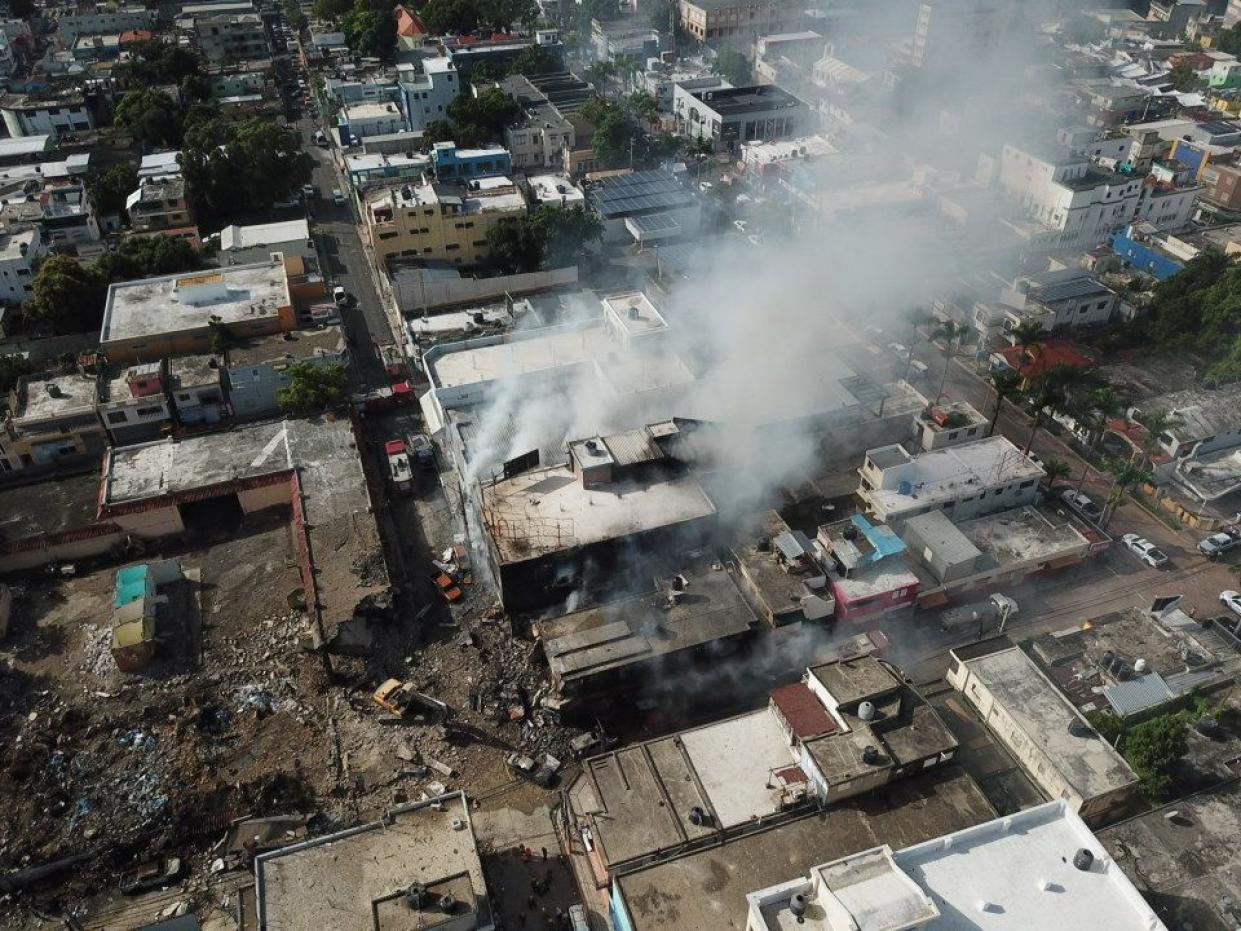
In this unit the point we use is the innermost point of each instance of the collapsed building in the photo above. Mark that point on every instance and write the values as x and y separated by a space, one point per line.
164 489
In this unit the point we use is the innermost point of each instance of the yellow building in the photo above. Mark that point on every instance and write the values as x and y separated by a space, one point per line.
735 22
439 221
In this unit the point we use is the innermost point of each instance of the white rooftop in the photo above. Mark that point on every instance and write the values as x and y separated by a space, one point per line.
51 395
371 110
11 147
549 510
634 312
725 754
946 474
263 234
1016 872
1085 761
187 301
779 150
554 189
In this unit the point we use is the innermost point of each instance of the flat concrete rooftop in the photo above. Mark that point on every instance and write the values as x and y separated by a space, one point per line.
548 510
295 344
1085 760
336 880
706 891
51 394
51 506
188 301
1019 535
638 629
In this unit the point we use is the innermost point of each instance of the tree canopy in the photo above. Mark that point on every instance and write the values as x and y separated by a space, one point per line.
231 168
733 66
151 116
153 61
143 256
109 187
1199 309
13 367
312 387
534 59
551 236
1153 748
67 295
474 120
370 29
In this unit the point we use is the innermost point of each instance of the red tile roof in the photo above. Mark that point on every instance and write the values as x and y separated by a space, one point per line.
409 24
804 713
1035 361
135 35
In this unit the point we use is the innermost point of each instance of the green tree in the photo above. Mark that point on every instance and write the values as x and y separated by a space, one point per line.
482 118
1229 40
733 66
442 16
516 246
144 256
294 16
569 232
1007 385
1046 394
312 387
534 59
505 15
151 116
600 72
370 31
1154 748
68 296
154 61
1110 727
1126 475
109 187
951 333
21 9
232 168
1055 469
1184 78
1158 424
332 10
644 106
12 367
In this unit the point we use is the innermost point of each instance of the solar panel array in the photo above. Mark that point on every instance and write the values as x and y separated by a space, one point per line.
651 223
642 190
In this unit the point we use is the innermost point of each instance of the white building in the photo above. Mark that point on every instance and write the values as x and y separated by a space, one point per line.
226 37
947 29
36 115
1064 298
426 95
554 191
360 120
963 481
103 20
1036 870
1055 745
1071 205
18 251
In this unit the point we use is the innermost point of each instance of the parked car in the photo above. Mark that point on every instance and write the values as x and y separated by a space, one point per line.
899 348
399 469
421 449
1231 600
1145 550
309 191
338 196
340 296
1081 505
1217 544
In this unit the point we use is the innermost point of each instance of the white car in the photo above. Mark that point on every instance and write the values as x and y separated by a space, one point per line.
740 224
1081 504
340 296
1231 600
1145 550
899 349
338 196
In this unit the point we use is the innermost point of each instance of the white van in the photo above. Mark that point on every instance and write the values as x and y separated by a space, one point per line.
338 196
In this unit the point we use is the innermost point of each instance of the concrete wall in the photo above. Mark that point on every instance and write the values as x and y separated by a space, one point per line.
414 292
60 552
157 522
265 496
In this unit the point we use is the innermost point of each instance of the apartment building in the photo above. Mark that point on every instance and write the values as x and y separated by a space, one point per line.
451 164
1061 299
102 20
132 404
159 204
440 221
947 29
227 37
737 22
425 95
52 417
731 117
45 114
257 370
18 252
545 131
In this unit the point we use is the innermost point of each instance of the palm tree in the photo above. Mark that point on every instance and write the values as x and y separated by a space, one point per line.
645 107
1106 403
1055 470
1126 474
950 332
1027 336
1157 424
1045 395
1006 384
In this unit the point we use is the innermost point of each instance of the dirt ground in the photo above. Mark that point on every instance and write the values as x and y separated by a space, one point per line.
242 720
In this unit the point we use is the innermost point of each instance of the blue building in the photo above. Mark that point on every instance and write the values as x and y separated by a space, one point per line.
1142 252
257 369
453 164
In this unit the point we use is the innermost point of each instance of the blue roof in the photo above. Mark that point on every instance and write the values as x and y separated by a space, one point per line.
131 584
882 540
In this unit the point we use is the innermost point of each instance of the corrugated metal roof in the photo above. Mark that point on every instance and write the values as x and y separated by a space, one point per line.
632 447
1138 694
1182 682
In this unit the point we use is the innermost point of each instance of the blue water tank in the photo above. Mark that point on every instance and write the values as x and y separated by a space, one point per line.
905 488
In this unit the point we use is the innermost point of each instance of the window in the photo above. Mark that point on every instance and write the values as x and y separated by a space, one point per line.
117 417
452 246
1027 484
150 411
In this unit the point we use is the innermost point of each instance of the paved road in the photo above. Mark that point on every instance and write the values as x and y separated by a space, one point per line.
345 263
